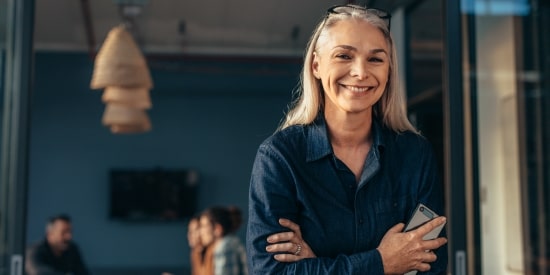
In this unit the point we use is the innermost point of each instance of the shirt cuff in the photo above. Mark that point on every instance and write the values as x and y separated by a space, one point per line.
370 262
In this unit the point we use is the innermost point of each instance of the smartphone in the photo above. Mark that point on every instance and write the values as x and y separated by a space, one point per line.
422 214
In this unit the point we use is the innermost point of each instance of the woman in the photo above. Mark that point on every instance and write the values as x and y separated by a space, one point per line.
217 232
195 245
346 168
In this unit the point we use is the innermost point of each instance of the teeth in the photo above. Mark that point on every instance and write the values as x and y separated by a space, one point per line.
357 89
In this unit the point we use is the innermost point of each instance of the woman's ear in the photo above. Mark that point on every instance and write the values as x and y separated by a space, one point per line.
315 66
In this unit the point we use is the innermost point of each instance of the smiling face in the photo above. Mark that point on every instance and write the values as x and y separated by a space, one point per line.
352 61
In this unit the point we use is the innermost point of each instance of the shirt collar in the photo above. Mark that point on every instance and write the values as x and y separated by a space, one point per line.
318 144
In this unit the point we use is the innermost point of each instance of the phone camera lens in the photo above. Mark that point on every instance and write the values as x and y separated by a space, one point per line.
421 209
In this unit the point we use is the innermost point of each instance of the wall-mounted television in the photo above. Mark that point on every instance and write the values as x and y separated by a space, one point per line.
153 194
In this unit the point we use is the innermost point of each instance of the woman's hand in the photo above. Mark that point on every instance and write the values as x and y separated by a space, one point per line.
405 251
289 246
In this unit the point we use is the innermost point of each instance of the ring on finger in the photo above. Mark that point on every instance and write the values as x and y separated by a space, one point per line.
298 249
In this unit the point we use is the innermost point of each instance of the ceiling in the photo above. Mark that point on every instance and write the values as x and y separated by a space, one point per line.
236 27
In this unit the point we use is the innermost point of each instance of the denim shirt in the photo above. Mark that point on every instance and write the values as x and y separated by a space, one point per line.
297 176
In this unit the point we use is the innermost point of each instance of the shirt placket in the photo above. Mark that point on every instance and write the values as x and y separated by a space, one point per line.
365 226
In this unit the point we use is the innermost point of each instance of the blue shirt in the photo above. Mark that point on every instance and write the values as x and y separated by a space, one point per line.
297 176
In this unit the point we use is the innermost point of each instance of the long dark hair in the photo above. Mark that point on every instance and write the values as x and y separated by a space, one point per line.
230 218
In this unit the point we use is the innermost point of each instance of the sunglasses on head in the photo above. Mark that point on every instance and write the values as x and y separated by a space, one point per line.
349 9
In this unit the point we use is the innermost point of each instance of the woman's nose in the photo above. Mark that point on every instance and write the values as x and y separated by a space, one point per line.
359 69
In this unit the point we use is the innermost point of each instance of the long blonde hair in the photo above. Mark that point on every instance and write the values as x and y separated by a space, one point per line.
309 94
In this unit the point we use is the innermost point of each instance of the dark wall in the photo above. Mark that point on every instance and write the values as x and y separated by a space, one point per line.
208 114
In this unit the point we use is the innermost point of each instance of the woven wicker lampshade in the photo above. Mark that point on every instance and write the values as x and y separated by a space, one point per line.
125 119
135 97
120 62
121 69
130 129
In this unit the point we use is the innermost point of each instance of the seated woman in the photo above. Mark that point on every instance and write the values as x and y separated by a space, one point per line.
217 233
197 249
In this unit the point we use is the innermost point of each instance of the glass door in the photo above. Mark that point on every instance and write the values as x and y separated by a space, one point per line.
533 104
16 20
3 186
508 80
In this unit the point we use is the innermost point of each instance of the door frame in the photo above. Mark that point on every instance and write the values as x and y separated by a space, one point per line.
15 131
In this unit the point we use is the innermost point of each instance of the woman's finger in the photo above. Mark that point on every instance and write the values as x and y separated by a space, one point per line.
282 247
287 258
281 237
434 244
423 267
290 225
430 257
429 226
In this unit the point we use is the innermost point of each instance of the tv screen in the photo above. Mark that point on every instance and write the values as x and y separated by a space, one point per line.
153 195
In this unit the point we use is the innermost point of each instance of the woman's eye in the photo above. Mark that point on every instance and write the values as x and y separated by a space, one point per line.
376 59
343 56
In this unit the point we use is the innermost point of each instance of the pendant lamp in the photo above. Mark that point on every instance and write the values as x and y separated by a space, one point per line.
121 70
136 97
121 118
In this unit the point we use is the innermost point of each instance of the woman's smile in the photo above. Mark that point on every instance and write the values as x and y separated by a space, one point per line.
357 89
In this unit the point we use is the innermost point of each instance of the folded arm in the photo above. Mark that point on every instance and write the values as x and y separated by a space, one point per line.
273 195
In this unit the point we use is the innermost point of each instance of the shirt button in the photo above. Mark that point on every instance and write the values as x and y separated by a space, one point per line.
360 221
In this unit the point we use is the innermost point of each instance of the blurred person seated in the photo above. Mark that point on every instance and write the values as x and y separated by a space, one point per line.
224 252
197 249
56 253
